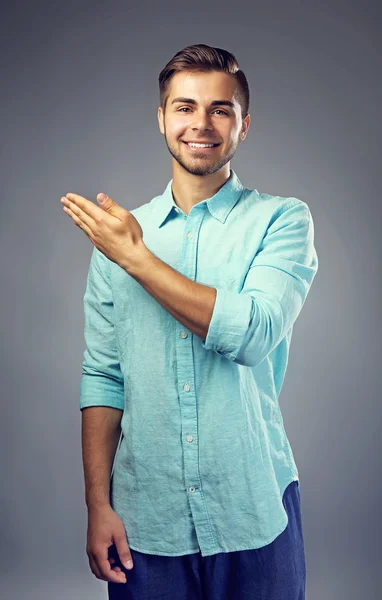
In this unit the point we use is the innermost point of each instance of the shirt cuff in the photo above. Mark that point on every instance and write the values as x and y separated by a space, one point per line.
229 323
97 390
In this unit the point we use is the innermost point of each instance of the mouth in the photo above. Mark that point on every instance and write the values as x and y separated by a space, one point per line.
202 147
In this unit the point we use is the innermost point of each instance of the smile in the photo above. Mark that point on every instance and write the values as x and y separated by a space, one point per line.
207 147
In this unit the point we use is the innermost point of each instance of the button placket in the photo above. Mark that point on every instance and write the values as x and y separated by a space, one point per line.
187 392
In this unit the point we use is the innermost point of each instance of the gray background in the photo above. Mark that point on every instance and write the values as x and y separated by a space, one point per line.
78 106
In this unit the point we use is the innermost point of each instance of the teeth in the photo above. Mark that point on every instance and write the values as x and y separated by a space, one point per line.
200 145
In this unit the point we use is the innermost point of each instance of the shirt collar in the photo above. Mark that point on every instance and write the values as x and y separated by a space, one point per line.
219 205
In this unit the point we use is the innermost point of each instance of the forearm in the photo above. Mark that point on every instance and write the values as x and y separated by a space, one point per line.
101 428
189 302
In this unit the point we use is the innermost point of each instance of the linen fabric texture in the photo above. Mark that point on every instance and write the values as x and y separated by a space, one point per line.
203 459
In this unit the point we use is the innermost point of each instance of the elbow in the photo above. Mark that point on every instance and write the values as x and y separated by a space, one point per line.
261 338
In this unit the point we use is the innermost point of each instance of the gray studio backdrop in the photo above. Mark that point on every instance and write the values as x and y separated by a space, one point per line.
79 114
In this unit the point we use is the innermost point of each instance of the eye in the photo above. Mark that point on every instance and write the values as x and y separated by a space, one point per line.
187 108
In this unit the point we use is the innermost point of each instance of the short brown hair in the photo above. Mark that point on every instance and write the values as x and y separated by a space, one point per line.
203 58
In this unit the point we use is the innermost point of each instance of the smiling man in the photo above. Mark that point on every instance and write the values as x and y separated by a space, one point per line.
202 130
189 307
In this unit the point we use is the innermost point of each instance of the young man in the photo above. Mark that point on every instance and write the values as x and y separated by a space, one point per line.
189 306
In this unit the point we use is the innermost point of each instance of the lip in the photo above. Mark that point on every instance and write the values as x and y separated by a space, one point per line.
201 149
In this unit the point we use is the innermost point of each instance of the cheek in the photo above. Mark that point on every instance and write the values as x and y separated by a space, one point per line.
178 129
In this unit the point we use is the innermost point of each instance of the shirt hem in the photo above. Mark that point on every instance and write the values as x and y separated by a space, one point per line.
209 553
158 553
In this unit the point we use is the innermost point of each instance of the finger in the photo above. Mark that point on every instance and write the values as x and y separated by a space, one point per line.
79 222
71 208
85 205
94 567
124 551
105 568
117 569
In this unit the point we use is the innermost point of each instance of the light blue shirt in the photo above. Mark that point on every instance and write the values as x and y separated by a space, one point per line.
203 459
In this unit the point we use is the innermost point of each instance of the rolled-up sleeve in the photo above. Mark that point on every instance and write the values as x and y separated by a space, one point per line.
247 325
102 380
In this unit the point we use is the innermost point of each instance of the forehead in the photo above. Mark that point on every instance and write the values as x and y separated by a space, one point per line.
203 87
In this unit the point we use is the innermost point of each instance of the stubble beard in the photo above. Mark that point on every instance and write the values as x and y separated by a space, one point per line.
202 166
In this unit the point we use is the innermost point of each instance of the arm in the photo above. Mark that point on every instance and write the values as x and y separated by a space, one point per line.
102 382
102 385
102 405
247 326
243 327
189 302
100 434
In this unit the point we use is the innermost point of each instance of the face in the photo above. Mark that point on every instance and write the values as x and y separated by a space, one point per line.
201 107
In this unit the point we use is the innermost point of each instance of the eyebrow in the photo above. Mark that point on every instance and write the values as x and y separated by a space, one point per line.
213 103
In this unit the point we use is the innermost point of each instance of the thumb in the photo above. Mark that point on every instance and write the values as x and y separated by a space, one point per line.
109 205
123 551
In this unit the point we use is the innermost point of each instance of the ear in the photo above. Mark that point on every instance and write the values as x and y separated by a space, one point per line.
246 123
161 119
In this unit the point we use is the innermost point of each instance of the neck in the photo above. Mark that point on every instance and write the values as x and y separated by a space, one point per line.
188 189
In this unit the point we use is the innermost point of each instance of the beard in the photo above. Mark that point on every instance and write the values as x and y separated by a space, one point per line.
198 164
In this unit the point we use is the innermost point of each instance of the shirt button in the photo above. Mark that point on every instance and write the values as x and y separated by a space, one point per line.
190 438
177 209
192 489
189 235
186 387
184 334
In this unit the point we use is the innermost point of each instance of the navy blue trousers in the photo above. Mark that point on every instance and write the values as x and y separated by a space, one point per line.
274 572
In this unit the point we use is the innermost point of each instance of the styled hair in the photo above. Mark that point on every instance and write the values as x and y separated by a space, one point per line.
203 58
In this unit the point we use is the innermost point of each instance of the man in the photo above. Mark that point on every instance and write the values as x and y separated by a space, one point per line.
190 304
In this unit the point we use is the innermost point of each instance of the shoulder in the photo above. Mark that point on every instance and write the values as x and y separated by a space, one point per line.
267 208
279 204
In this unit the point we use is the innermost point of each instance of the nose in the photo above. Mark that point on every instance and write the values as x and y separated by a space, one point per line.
201 120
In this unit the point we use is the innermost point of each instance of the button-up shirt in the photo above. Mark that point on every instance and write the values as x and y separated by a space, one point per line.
203 458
